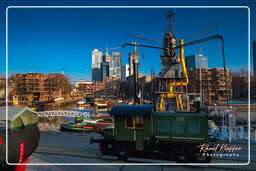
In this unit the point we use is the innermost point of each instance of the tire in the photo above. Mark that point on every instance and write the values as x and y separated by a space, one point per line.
182 158
182 155
108 149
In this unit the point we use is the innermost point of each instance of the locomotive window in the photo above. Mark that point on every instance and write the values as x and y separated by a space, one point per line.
139 121
129 122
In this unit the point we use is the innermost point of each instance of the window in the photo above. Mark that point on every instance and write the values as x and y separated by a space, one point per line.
134 121
129 122
139 121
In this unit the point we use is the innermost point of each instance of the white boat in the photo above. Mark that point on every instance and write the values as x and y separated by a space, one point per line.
81 102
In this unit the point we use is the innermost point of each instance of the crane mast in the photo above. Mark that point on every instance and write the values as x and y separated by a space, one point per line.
171 81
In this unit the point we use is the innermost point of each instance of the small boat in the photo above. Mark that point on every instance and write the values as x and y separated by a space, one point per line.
85 105
81 102
88 125
76 128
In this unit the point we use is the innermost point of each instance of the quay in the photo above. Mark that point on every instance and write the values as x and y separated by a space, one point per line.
58 147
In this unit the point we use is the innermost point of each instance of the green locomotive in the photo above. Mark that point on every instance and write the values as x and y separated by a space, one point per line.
138 130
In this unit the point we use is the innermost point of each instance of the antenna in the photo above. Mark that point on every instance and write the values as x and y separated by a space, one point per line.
169 16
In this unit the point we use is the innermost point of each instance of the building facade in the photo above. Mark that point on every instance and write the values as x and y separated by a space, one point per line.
40 87
115 65
210 83
96 65
84 86
196 61
144 86
104 70
131 57
254 57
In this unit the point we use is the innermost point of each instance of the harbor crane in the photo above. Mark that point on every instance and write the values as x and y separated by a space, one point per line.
171 80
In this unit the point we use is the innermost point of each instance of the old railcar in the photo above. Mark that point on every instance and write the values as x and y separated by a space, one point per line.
138 130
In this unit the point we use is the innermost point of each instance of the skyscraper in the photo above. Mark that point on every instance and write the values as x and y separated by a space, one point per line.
96 65
115 65
104 70
131 56
254 57
125 71
105 66
196 61
106 57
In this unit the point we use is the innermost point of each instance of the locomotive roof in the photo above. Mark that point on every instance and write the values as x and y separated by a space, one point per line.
132 110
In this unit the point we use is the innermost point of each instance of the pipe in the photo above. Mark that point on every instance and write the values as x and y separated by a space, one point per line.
183 65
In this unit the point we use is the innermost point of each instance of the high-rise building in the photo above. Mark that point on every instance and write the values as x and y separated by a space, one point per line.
131 56
106 57
104 70
125 72
115 65
196 61
254 57
96 65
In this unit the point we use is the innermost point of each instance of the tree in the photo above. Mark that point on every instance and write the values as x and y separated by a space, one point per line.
240 84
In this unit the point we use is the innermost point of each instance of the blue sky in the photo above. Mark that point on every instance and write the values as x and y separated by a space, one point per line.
46 40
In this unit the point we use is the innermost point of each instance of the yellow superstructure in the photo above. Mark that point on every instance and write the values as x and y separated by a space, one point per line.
172 82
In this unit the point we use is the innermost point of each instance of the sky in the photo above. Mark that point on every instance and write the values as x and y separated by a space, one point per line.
46 40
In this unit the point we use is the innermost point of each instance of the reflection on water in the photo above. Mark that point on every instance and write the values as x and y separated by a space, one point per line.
49 126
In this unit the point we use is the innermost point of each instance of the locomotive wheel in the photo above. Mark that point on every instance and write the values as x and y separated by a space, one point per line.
182 155
108 148
122 154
